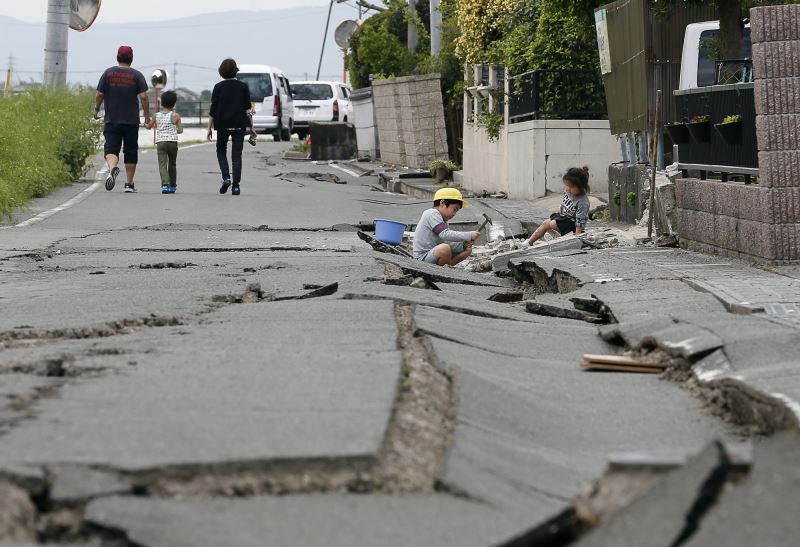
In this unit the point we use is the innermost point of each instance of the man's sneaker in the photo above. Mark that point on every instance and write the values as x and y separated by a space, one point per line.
165 188
111 180
226 183
129 188
172 188
235 190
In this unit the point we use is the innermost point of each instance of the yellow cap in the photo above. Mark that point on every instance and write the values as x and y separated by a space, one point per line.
450 193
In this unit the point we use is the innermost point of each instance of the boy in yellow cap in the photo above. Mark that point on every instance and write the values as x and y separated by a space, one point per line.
434 241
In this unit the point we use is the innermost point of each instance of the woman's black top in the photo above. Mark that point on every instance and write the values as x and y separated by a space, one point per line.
230 103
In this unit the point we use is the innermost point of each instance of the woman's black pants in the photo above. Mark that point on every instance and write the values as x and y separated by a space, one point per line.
237 143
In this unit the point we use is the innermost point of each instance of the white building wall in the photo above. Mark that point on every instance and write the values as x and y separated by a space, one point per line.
531 157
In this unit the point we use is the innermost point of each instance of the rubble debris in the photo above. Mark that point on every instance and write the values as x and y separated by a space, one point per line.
382 247
565 313
17 515
444 274
325 290
620 363
164 265
319 177
545 280
507 297
595 306
24 338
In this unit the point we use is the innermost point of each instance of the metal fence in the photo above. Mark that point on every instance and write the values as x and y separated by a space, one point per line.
193 113
556 94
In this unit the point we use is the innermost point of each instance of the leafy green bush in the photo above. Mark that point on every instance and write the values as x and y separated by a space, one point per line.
45 138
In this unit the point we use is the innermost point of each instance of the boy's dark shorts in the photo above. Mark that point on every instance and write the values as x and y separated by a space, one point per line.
119 135
565 224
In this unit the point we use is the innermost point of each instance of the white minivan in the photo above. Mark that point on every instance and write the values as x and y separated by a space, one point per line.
320 102
271 94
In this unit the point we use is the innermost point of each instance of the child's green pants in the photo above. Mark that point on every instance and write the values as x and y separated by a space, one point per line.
167 157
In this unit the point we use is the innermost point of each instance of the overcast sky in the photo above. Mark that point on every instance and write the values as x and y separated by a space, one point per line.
117 11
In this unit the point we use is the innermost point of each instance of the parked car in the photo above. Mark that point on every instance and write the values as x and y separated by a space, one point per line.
698 68
320 102
271 94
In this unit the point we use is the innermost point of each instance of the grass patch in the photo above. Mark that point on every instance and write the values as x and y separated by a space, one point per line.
302 147
45 138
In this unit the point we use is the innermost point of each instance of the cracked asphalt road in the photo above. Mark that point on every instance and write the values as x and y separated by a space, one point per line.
139 398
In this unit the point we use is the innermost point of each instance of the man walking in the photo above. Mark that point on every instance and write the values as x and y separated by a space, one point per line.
119 87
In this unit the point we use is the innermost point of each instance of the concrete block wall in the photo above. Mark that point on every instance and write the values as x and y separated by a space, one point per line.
759 222
410 119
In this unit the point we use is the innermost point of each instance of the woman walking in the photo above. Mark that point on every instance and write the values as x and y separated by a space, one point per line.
231 116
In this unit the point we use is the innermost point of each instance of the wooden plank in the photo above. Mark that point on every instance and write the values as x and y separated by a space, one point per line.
621 360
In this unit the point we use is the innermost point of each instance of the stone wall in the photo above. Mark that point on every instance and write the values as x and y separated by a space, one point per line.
759 222
410 118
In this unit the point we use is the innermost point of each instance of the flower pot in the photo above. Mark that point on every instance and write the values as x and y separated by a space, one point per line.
701 131
678 133
731 132
442 173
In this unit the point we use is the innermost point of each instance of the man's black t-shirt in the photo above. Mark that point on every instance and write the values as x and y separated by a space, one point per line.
121 87
230 104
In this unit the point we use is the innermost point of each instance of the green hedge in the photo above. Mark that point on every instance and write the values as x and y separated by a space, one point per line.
45 138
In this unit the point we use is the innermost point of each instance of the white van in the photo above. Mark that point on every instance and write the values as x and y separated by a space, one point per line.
320 102
697 67
271 94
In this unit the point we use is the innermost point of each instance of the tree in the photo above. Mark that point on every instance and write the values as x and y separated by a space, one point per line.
380 47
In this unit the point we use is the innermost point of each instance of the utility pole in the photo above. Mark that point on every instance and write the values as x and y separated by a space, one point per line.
413 38
324 38
56 43
436 27
174 75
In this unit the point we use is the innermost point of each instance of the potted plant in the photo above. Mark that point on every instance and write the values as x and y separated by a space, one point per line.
678 132
442 169
700 128
730 128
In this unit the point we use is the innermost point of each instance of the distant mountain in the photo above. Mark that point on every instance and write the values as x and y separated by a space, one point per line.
289 39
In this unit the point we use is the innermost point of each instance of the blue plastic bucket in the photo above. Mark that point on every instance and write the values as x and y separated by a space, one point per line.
389 231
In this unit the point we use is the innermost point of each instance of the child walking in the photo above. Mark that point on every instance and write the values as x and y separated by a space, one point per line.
574 211
434 241
168 124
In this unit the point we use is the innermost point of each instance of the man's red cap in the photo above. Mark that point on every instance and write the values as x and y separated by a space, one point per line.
125 51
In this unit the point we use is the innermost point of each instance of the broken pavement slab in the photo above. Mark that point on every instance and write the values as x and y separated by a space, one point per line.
376 520
435 274
669 509
764 499
227 400
521 414
448 300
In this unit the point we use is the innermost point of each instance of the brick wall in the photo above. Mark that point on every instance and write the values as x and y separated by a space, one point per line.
760 222
410 118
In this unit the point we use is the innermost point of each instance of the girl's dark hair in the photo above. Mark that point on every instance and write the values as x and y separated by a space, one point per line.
579 177
228 68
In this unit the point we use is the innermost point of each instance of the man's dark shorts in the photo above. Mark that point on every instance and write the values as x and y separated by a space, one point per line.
119 135
565 224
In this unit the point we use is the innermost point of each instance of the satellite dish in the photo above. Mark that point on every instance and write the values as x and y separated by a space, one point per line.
344 31
159 78
83 14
